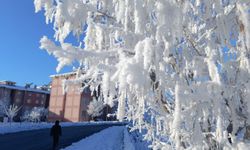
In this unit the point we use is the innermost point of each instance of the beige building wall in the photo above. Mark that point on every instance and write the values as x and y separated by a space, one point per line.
72 105
68 106
56 100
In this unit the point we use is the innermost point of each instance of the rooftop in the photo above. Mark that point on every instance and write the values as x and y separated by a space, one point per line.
23 88
63 74
7 82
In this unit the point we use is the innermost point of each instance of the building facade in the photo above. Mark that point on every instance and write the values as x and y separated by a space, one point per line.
72 104
24 97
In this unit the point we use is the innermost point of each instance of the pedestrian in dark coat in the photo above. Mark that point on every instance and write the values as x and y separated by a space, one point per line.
56 132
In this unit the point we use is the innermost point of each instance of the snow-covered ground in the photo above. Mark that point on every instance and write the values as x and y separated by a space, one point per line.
113 138
118 138
24 126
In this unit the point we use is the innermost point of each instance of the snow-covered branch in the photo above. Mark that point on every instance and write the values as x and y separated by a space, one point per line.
178 69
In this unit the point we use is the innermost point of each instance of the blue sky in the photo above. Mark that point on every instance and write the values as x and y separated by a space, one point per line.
21 28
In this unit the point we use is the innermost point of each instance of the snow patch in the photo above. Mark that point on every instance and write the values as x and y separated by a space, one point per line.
108 139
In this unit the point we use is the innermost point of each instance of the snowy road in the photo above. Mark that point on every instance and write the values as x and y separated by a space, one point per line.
40 139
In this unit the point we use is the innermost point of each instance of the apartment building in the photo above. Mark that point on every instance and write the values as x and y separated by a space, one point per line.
24 97
72 104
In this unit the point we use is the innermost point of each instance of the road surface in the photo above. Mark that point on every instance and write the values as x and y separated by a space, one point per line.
41 140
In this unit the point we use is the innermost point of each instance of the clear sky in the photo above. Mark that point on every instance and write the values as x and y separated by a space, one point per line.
21 28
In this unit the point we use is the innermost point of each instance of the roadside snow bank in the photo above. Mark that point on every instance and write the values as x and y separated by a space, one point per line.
25 126
108 139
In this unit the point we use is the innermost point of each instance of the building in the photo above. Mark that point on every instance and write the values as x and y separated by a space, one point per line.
72 104
24 97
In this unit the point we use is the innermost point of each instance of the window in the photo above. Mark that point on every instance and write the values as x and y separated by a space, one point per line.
37 95
37 101
28 101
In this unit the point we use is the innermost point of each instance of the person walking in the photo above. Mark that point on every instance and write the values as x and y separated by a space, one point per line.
56 132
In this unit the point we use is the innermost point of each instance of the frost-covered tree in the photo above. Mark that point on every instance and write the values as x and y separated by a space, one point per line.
4 102
179 69
95 108
36 114
11 111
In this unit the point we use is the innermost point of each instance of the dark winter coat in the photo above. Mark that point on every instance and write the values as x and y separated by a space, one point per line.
56 131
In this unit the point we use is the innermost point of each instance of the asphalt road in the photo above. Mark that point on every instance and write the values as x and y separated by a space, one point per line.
40 139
